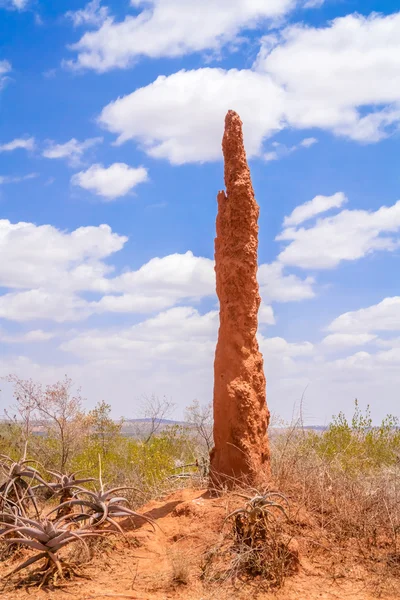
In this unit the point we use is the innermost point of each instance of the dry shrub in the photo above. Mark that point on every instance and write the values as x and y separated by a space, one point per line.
256 546
347 507
100 547
180 567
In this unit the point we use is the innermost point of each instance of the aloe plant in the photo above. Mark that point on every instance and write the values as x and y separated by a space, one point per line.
43 535
15 490
101 507
66 481
262 505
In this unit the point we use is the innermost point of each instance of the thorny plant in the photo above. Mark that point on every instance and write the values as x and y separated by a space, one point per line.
259 511
15 492
49 535
260 547
101 506
66 482
45 536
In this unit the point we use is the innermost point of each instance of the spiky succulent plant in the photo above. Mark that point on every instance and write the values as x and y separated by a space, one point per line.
263 505
15 490
100 507
43 535
66 482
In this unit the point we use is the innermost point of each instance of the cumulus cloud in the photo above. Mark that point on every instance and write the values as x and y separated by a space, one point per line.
174 348
337 341
178 334
349 235
171 28
277 286
173 118
73 150
44 284
92 14
327 73
305 77
39 256
33 336
316 206
384 316
43 304
110 182
266 315
173 274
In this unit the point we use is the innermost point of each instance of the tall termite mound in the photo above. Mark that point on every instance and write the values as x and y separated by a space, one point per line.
241 416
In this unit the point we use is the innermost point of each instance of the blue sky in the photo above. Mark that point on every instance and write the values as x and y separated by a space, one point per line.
111 119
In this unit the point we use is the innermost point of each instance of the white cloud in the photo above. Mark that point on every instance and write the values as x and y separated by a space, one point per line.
327 73
384 316
34 336
174 351
266 315
304 78
47 270
276 286
93 14
23 143
14 4
308 142
171 28
270 156
176 275
20 4
5 68
16 178
281 150
278 346
178 335
389 343
110 182
313 3
316 206
43 304
337 341
349 235
39 256
174 118
72 150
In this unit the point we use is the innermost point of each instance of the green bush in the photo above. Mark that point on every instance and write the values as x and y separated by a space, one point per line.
358 444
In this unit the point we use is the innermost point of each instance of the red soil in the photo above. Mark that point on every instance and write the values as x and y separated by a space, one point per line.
189 524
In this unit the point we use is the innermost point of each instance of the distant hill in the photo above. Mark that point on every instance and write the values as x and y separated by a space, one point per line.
162 421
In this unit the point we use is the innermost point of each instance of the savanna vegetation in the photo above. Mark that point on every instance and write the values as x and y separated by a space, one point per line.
334 495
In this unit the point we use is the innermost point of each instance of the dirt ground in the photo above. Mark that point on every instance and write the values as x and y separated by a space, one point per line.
150 565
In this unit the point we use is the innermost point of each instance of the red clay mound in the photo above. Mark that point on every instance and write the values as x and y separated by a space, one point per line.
241 416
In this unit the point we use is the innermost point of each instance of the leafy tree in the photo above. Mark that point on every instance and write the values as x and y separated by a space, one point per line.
104 430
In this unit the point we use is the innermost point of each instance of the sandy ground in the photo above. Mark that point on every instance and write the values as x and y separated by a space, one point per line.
188 524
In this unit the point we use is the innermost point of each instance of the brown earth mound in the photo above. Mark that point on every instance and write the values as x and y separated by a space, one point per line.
241 416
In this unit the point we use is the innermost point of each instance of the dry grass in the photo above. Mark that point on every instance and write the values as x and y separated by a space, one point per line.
346 519
180 567
254 544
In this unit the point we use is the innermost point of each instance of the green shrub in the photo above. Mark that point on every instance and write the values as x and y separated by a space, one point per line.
358 444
